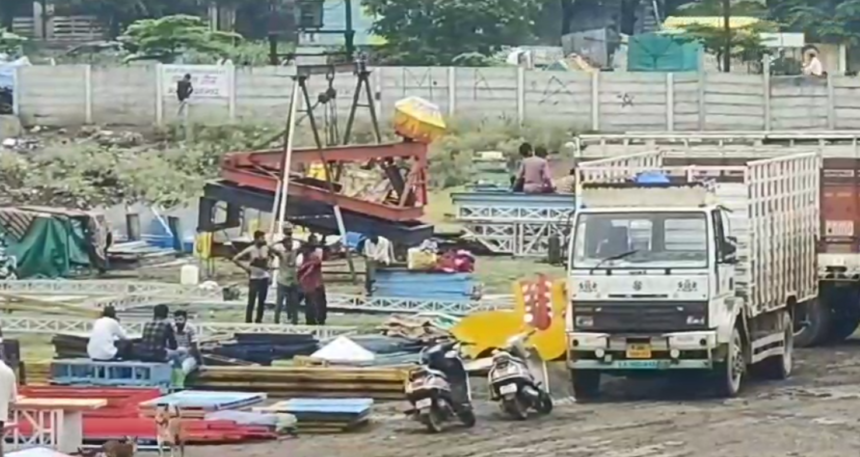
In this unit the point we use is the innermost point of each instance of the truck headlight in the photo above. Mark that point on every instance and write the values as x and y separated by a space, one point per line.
695 320
584 321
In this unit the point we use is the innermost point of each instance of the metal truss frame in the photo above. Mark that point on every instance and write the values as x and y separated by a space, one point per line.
128 295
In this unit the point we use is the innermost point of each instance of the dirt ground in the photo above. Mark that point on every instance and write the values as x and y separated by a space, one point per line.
816 413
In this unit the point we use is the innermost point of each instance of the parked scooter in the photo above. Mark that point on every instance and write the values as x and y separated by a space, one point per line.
439 390
518 379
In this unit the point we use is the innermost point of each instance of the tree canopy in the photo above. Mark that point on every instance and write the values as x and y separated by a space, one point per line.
432 32
167 38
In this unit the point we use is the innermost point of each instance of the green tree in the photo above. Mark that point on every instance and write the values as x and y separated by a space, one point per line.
822 21
746 42
702 8
116 15
167 38
433 32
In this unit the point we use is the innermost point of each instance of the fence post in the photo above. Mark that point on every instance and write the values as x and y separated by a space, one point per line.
595 101
231 98
768 117
703 114
88 94
521 95
377 87
670 102
16 91
159 99
831 103
452 90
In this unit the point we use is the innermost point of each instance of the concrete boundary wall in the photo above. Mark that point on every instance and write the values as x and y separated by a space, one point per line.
611 102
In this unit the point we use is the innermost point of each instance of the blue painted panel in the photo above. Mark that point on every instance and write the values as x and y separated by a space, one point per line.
357 406
424 285
206 400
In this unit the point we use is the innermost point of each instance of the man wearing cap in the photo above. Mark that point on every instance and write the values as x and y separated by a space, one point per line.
287 281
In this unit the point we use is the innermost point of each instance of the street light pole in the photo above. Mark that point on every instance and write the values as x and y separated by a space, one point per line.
727 29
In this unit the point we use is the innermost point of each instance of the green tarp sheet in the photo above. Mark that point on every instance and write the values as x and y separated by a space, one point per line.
662 53
49 246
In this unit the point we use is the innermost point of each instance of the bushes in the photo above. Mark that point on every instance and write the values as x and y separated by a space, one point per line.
169 169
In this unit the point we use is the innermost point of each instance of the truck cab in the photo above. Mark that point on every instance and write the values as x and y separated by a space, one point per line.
652 275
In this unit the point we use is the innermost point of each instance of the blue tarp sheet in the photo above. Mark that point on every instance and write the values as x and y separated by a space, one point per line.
423 285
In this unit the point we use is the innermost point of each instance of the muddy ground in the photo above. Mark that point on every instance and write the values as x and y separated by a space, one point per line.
816 413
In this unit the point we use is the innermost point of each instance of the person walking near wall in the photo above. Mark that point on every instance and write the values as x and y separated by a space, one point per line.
184 89
258 254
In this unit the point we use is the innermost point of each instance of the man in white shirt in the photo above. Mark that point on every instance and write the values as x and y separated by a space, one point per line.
8 392
106 333
377 251
813 66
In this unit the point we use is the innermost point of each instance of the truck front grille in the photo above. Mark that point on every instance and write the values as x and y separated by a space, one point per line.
640 316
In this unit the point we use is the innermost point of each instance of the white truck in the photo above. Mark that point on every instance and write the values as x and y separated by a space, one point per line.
700 269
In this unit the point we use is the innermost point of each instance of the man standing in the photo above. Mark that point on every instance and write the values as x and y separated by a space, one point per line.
8 391
158 342
534 174
377 251
311 282
184 89
287 280
258 255
186 343
108 340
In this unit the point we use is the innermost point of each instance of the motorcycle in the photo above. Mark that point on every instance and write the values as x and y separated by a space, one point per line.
518 379
439 389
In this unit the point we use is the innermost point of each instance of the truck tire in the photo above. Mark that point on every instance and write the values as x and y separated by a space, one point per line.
586 384
779 367
812 323
729 375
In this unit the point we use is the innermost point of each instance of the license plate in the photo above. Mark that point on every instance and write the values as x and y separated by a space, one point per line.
508 389
424 403
643 364
639 351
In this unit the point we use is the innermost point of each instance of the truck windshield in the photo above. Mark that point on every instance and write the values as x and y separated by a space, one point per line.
653 240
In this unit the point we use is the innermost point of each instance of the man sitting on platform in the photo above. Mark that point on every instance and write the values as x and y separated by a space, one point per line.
108 340
186 342
158 342
534 173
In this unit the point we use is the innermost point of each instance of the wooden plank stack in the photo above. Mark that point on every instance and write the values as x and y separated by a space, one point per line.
307 381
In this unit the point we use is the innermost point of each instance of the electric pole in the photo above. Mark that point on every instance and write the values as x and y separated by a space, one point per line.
727 29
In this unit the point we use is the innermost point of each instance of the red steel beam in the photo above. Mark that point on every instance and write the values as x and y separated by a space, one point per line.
392 213
355 153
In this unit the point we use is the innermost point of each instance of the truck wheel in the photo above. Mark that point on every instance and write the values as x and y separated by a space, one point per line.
779 367
586 384
730 374
811 323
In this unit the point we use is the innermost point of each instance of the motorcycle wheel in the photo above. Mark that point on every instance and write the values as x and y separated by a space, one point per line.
544 405
433 421
468 418
515 407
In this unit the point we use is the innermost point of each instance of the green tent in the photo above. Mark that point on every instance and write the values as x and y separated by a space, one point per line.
47 244
662 53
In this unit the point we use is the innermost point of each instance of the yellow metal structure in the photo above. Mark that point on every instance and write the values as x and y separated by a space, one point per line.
488 330
418 119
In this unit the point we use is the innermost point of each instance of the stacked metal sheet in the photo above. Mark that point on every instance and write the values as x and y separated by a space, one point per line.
325 415
381 383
